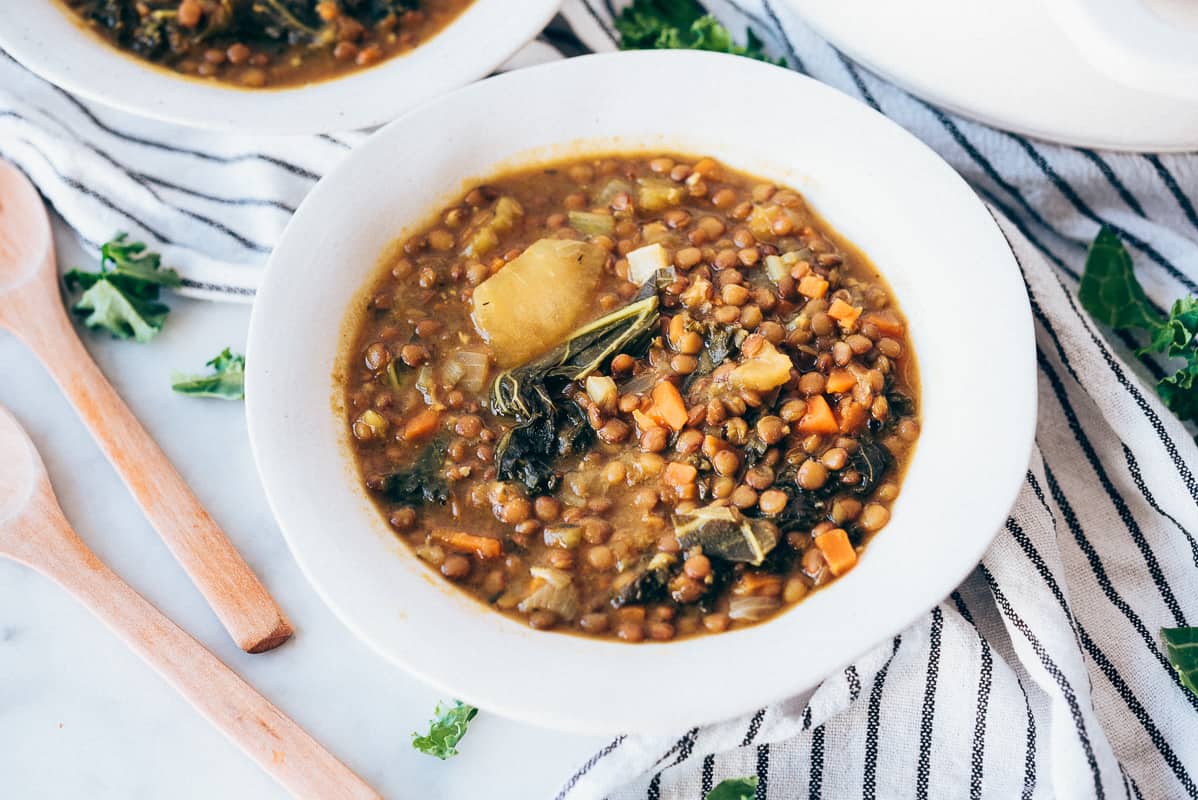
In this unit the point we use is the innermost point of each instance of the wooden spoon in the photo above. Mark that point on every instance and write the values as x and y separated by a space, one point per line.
30 307
34 532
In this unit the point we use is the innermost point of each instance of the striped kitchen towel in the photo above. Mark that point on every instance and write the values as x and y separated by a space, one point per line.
1043 674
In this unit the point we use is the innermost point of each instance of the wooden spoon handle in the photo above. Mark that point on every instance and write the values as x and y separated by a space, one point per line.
266 734
239 599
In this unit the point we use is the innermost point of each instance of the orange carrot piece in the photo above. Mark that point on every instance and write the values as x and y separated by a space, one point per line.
837 549
679 474
668 405
819 417
644 421
813 286
843 313
841 380
852 416
886 321
421 425
462 542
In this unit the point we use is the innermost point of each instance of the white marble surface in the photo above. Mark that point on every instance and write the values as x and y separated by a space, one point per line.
80 716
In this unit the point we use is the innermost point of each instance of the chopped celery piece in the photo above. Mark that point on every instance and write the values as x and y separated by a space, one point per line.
656 194
592 224
500 220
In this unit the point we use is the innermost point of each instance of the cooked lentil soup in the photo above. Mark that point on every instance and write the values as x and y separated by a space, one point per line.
272 43
642 397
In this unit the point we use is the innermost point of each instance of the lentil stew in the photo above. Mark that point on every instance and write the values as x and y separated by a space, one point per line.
266 43
632 396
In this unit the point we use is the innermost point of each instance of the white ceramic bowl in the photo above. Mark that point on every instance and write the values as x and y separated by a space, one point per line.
924 228
47 40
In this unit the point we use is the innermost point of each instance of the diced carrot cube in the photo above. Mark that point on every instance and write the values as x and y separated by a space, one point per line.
886 321
679 474
421 425
712 445
853 415
644 421
844 313
819 417
668 405
813 286
463 542
841 380
837 550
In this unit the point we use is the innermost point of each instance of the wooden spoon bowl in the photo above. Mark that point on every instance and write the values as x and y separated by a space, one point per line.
34 532
31 307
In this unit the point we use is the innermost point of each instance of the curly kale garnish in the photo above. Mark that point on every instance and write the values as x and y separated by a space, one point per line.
226 382
445 730
122 298
1110 292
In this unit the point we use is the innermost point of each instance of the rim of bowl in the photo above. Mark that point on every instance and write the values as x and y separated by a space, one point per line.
875 601
46 40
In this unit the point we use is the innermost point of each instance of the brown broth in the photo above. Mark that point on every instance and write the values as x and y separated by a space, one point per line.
619 499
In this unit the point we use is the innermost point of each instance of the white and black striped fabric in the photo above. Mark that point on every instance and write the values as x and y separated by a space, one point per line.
1043 675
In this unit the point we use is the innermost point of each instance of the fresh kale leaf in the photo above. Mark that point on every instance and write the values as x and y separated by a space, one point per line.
125 316
1180 391
549 424
734 789
1175 338
682 25
122 298
1181 645
227 380
1109 289
1110 292
445 730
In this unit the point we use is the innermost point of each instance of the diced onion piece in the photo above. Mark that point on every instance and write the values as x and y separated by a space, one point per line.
552 590
452 372
550 575
752 609
644 262
537 299
474 369
602 390
565 536
426 382
776 268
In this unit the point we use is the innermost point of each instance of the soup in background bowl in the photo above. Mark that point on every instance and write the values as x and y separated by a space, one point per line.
264 43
